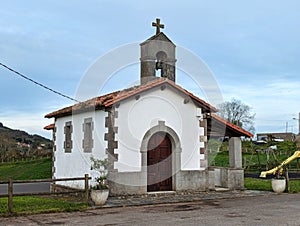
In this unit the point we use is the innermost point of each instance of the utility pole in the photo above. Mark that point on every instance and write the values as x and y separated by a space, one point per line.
298 123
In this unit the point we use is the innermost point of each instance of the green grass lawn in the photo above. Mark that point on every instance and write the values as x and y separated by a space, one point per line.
265 185
257 184
33 205
26 170
30 170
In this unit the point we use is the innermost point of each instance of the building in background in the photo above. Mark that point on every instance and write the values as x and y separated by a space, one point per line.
276 136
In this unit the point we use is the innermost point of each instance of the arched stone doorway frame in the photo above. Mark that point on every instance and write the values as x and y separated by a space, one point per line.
176 150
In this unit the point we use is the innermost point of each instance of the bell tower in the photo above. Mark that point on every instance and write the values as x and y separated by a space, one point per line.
157 56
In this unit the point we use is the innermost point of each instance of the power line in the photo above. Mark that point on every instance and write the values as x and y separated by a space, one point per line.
39 84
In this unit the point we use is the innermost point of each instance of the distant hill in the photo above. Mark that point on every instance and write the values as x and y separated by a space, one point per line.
18 144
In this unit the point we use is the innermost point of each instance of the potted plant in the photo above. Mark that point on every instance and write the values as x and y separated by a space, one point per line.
100 191
278 183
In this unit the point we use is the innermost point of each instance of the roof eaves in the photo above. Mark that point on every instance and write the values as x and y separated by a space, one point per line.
232 126
49 127
88 105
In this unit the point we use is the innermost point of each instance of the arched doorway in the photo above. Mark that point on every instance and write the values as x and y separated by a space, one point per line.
159 163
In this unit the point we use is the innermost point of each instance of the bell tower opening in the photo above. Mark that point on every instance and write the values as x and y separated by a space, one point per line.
160 64
157 56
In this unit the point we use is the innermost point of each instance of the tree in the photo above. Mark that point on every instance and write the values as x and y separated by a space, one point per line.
237 113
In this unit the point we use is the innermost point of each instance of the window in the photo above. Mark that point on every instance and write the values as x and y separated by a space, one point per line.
68 137
87 142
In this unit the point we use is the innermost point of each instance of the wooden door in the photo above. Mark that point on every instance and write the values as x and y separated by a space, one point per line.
159 163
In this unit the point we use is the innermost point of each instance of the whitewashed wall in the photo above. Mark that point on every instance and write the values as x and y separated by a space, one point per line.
136 117
77 163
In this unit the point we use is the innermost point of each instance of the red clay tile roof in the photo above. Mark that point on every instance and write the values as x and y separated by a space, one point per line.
50 127
236 128
83 106
110 99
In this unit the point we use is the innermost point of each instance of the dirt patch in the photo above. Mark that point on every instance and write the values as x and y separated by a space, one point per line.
232 215
185 208
180 207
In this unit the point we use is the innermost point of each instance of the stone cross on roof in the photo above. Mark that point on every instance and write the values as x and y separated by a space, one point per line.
158 25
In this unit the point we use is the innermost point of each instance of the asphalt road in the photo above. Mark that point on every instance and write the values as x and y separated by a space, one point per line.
26 188
271 209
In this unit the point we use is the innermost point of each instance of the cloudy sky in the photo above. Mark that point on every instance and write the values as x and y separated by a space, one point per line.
251 47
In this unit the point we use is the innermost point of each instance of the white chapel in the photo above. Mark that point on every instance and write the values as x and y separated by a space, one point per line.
155 134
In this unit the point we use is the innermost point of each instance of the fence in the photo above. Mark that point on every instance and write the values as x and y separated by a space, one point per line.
10 184
288 179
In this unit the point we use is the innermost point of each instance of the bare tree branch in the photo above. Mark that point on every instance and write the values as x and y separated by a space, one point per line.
238 114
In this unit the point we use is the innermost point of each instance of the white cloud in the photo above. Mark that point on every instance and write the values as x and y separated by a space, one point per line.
31 123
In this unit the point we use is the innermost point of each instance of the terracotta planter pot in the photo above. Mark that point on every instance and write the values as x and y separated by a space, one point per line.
278 185
99 197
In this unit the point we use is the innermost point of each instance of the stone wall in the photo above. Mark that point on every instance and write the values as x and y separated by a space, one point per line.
192 180
230 178
131 183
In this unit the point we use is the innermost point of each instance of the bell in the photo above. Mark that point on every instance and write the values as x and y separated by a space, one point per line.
159 65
